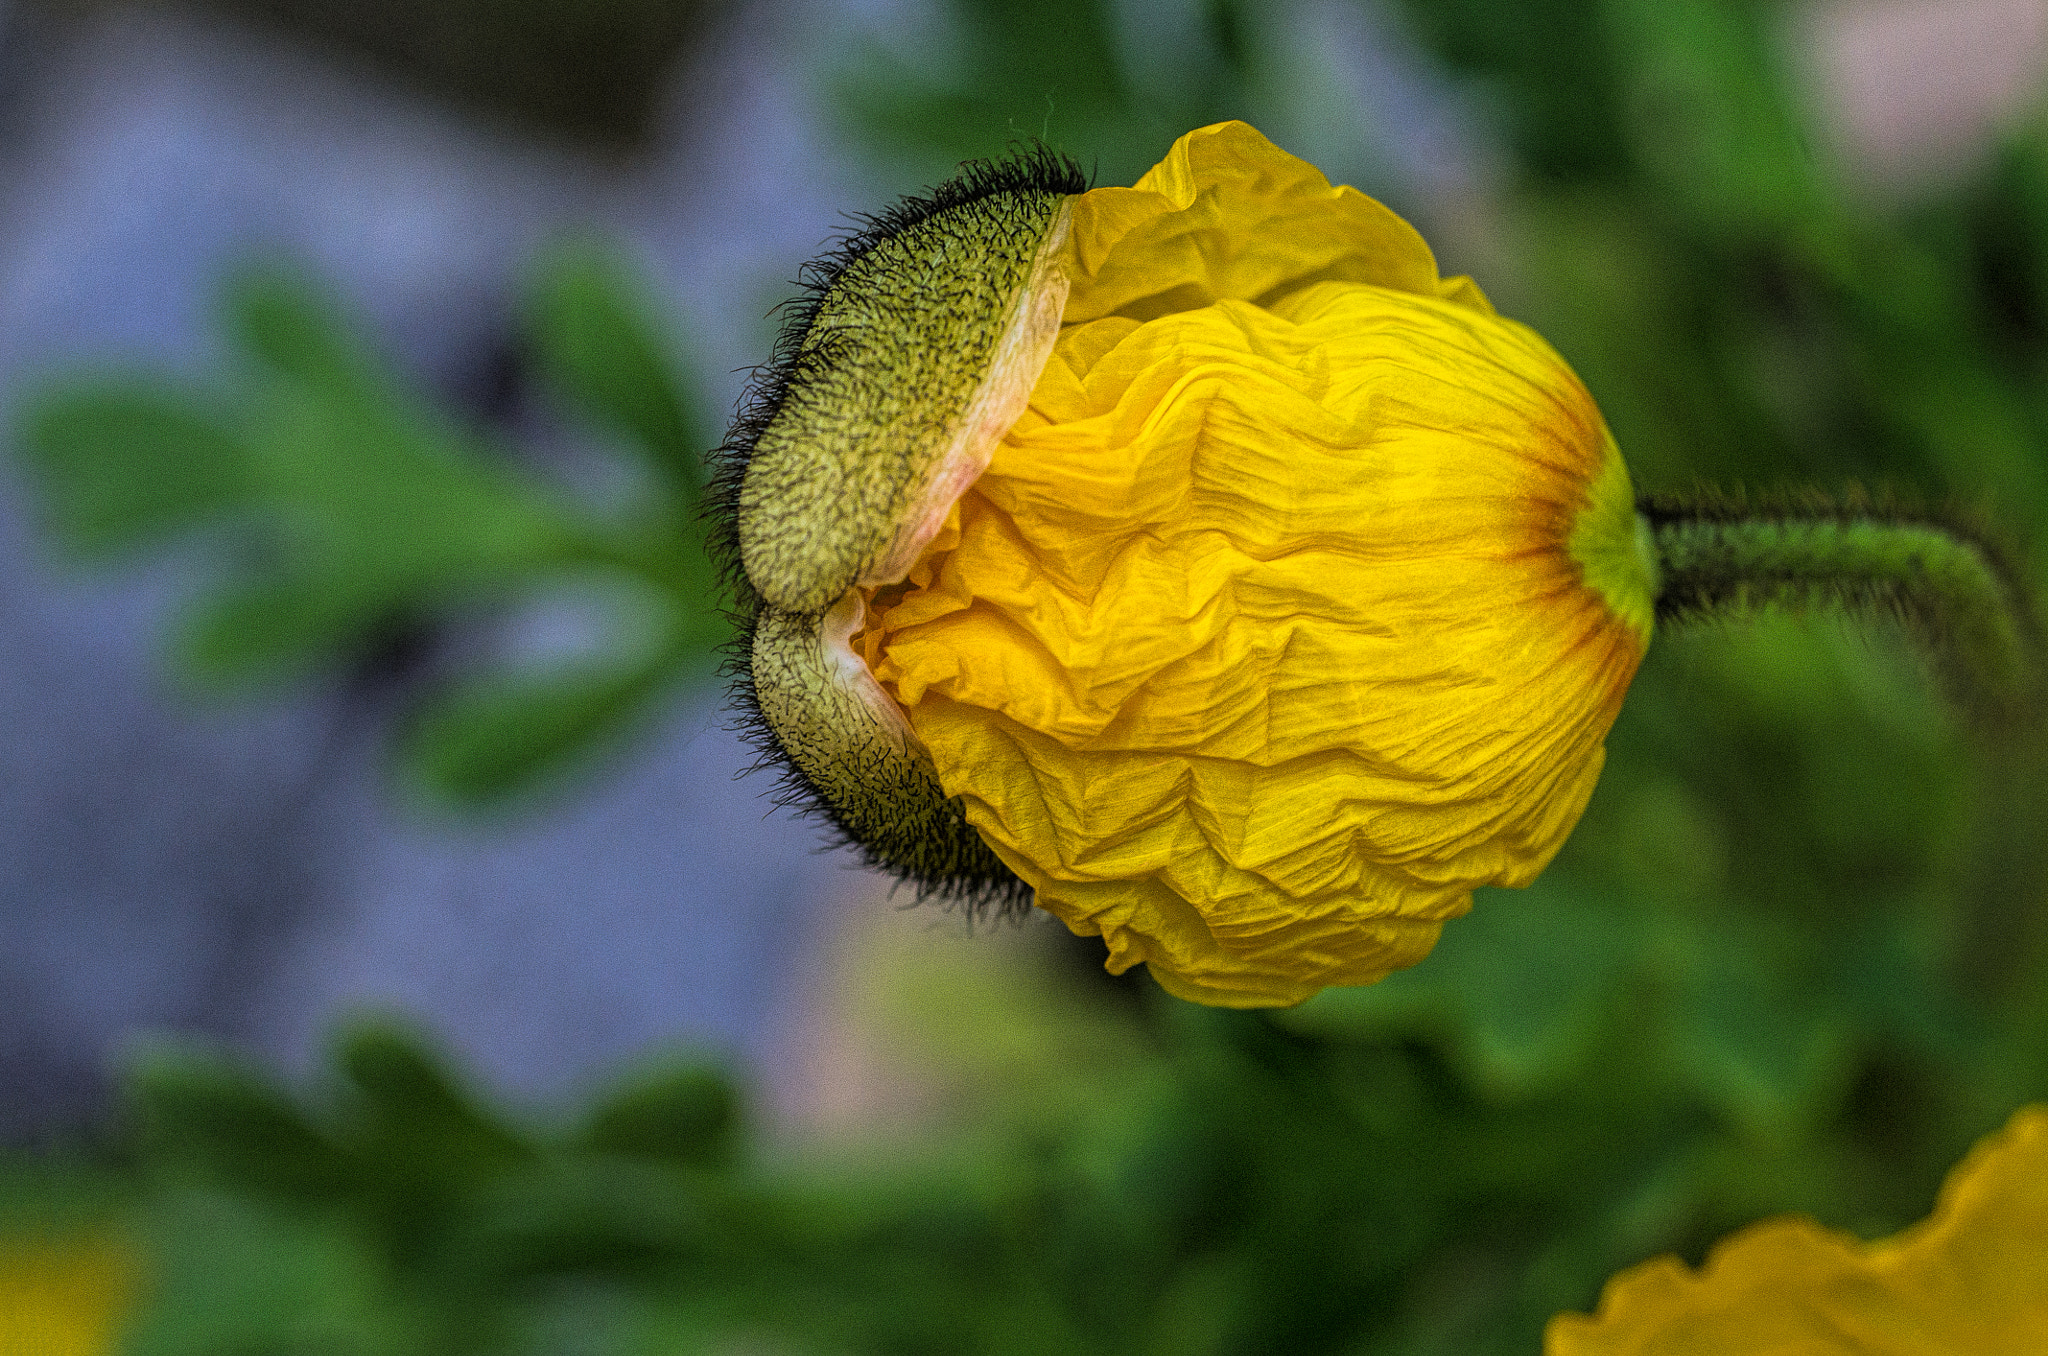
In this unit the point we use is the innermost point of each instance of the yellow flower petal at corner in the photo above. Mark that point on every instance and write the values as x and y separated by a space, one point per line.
64 1296
1970 1280
1263 639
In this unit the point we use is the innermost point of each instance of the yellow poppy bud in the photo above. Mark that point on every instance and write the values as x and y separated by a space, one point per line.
1294 602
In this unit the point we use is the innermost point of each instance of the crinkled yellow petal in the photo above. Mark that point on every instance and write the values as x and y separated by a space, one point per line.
1229 216
1971 1280
1261 645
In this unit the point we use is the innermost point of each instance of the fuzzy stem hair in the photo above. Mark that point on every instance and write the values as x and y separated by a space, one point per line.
1946 581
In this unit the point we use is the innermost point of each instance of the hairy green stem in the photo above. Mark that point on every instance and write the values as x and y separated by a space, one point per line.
1952 589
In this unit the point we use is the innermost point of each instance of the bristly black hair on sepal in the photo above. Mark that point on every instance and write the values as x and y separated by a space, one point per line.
1004 897
1032 167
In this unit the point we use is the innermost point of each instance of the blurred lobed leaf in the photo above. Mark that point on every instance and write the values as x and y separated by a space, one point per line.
405 1109
1536 994
124 464
233 1126
1520 993
367 486
345 510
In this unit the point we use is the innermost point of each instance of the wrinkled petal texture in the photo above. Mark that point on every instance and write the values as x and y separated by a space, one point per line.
1258 646
1971 1279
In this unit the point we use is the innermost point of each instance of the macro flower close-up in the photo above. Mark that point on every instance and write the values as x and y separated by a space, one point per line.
1330 677
1295 603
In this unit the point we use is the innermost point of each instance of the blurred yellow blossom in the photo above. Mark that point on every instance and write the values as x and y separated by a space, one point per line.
64 1295
1970 1280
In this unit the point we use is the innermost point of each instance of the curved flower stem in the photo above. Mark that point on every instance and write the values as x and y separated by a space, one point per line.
1954 590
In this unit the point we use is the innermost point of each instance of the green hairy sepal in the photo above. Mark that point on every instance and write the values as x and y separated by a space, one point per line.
912 353
1944 579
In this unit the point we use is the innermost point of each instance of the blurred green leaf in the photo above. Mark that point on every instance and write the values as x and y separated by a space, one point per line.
1709 114
582 1216
365 505
276 317
1023 65
687 1115
1768 1051
275 628
376 492
204 1113
120 464
1521 990
498 737
1552 69
239 1275
408 1114
600 346
1535 987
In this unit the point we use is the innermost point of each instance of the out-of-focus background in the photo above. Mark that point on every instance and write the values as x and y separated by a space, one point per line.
389 958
